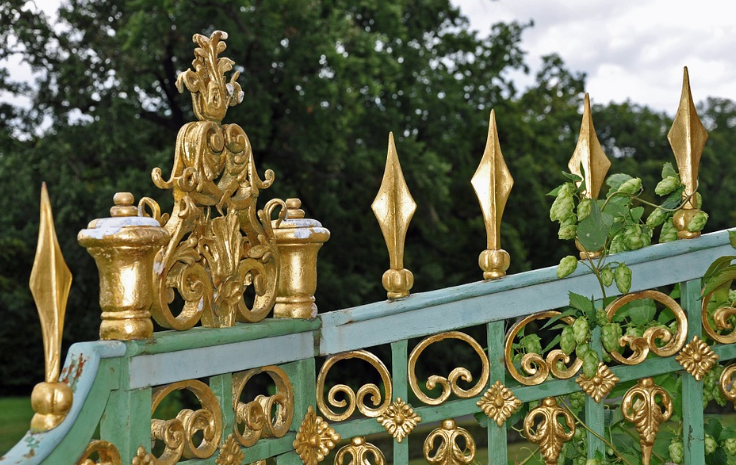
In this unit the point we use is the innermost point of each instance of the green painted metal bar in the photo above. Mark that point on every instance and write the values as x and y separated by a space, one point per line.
302 374
692 390
593 410
400 377
222 387
497 437
127 421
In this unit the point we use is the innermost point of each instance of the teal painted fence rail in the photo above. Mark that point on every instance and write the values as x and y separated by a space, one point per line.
114 382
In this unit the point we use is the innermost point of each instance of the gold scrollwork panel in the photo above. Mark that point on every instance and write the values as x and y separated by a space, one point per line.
727 384
254 420
641 406
541 426
106 452
178 434
721 321
641 345
354 400
360 452
449 384
536 367
456 446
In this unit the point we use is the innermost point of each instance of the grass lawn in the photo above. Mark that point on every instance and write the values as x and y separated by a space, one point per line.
15 418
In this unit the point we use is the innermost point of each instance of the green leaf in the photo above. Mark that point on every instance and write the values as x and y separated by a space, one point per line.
572 177
555 191
568 312
727 433
732 238
722 277
551 344
642 311
580 302
719 457
593 230
482 419
674 199
616 206
637 213
717 265
614 181
668 170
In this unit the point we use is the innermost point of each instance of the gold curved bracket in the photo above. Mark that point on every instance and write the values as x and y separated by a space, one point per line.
315 439
542 427
492 183
687 138
106 452
50 283
360 451
727 384
499 403
394 207
697 358
599 385
641 408
399 419
721 321
448 451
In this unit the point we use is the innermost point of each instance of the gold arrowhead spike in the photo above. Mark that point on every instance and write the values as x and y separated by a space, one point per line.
394 208
492 183
687 138
50 283
589 153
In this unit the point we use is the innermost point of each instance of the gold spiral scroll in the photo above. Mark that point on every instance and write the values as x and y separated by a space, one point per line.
727 384
640 346
448 451
354 400
537 367
641 407
360 451
721 320
255 416
178 433
549 433
106 452
449 384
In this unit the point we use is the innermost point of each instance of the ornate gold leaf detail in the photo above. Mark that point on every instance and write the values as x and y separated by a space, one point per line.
106 452
143 458
721 321
354 401
727 385
230 452
360 451
399 419
599 385
542 427
315 439
640 407
499 403
641 346
448 451
449 384
537 367
178 434
697 358
394 207
265 416
492 183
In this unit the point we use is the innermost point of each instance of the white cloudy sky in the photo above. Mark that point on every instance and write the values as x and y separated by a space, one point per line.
630 49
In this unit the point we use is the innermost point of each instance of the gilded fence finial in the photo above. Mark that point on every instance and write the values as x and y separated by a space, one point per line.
492 183
687 138
50 283
590 157
640 407
394 208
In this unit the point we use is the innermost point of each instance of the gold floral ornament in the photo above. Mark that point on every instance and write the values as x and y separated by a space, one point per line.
641 406
220 243
143 458
360 451
394 207
727 384
535 368
697 358
499 403
107 454
315 439
687 138
448 451
354 400
450 383
399 419
590 156
542 427
50 283
492 183
599 385
265 416
193 433
230 452
653 336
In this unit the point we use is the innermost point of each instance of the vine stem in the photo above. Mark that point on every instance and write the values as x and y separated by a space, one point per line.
605 441
531 455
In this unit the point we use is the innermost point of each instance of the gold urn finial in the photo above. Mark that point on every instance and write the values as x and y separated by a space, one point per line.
492 183
394 208
124 247
687 138
595 164
299 239
50 283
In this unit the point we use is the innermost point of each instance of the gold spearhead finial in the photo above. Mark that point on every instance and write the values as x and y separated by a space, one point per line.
687 138
492 183
50 283
394 208
589 154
